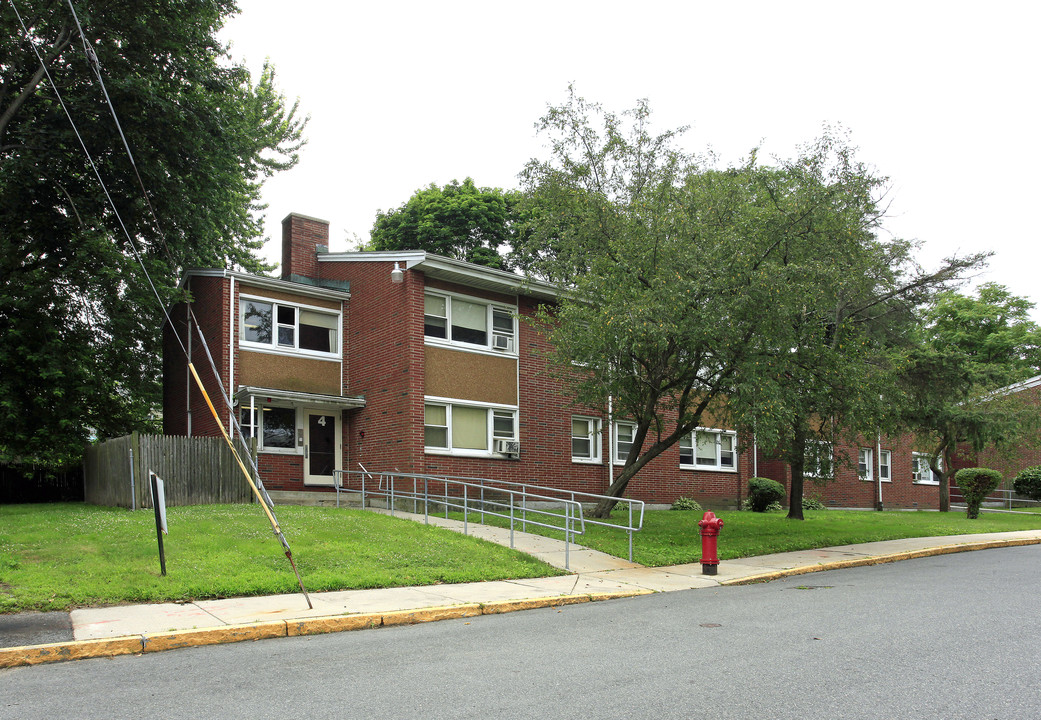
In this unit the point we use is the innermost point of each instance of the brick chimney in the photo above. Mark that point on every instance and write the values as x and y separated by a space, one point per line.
303 238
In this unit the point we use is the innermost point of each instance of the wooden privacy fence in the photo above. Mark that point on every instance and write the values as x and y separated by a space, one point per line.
195 471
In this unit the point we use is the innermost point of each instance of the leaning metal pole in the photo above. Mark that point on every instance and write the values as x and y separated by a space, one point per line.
253 485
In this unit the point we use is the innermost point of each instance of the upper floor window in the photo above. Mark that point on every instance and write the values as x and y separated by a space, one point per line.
286 327
469 322
585 439
709 449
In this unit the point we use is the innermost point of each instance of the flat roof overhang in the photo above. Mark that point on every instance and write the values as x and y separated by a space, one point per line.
341 402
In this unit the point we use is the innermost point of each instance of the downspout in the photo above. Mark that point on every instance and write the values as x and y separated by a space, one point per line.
231 355
610 441
878 468
755 455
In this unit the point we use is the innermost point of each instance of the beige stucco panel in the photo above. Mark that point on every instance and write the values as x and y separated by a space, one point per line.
284 372
470 376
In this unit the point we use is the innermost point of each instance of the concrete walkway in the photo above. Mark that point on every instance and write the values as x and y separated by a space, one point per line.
133 629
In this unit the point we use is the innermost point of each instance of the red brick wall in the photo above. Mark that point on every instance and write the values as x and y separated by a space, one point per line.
385 337
849 490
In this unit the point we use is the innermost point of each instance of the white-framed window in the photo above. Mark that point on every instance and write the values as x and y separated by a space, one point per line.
469 322
274 427
818 459
865 467
462 429
288 328
885 465
585 439
709 449
624 432
920 470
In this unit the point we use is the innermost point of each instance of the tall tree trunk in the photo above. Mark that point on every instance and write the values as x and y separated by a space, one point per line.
945 478
797 464
616 490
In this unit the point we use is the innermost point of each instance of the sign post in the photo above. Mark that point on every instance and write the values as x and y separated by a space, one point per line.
159 504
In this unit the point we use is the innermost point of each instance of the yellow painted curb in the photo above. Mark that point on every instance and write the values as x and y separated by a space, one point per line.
447 612
505 606
158 642
333 623
74 650
882 559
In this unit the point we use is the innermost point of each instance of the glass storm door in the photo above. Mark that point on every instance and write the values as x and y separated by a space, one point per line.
321 448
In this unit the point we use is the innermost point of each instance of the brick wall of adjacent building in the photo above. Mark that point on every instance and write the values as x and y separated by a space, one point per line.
210 300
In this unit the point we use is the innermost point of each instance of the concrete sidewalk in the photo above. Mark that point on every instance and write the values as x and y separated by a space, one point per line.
132 629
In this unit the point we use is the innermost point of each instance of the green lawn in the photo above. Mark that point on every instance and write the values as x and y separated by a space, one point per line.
60 556
56 557
672 537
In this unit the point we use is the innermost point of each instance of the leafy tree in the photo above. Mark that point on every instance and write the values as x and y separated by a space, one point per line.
829 372
686 286
459 220
80 326
969 348
662 279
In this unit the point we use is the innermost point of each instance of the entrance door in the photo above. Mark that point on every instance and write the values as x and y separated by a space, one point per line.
321 447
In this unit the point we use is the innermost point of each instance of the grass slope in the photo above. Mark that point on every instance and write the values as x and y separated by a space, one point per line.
60 556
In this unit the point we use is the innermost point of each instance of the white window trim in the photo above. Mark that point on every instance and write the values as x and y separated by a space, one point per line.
869 475
888 454
718 467
595 441
915 456
490 306
449 403
614 440
273 347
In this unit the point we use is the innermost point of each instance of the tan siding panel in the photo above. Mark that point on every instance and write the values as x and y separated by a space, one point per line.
284 372
471 376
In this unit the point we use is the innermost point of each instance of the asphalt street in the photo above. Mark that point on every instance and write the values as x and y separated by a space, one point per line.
950 636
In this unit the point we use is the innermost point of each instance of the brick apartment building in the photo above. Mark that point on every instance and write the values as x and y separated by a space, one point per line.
412 362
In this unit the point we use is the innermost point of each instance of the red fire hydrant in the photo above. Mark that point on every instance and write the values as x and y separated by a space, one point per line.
710 526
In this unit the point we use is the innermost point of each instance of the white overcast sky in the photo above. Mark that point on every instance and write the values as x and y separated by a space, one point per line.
941 97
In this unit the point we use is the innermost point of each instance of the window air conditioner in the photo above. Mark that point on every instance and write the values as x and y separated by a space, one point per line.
507 447
502 342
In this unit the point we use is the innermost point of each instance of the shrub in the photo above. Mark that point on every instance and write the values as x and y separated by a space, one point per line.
809 503
976 484
762 492
1028 483
686 503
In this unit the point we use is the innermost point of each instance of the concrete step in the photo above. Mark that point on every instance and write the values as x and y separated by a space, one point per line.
314 498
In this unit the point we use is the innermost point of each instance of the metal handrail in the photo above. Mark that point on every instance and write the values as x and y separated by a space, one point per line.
574 495
1001 496
395 487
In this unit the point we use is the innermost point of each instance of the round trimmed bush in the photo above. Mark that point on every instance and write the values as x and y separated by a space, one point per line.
976 484
1028 483
762 492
